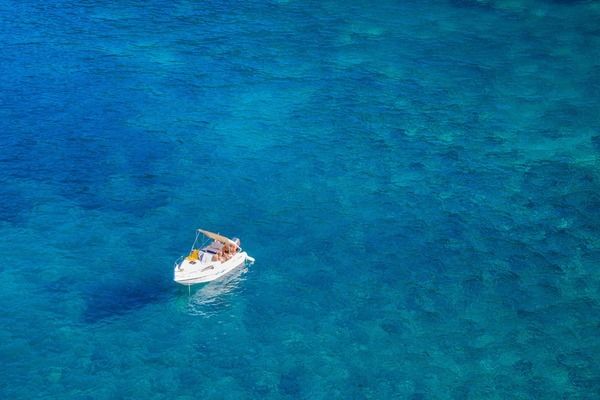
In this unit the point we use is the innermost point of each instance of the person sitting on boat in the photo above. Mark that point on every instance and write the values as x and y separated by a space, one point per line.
231 248
227 252
234 245
219 256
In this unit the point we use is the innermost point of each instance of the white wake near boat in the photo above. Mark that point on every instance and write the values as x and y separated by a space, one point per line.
217 257
214 297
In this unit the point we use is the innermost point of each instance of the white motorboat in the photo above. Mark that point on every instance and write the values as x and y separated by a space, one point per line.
218 256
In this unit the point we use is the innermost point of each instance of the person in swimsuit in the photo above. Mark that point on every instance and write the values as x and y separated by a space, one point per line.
228 250
220 256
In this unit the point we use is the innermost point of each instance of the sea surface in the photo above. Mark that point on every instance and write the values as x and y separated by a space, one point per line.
419 182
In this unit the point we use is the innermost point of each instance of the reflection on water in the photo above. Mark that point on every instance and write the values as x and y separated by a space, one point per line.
215 296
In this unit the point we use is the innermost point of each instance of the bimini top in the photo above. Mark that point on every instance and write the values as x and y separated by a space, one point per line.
217 237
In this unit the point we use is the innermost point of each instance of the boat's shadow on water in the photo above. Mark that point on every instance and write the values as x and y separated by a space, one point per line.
214 297
106 302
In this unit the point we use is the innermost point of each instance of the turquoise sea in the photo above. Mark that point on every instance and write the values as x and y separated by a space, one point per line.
419 182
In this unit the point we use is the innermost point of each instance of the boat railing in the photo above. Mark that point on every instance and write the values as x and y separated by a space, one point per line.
178 262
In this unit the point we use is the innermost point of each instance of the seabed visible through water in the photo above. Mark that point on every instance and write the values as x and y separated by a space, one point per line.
418 182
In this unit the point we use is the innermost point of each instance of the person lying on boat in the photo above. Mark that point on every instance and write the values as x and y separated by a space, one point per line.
219 256
225 253
222 255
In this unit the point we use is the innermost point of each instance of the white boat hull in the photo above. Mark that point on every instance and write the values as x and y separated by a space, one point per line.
188 272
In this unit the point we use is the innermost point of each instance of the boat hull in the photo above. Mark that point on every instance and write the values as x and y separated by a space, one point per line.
189 272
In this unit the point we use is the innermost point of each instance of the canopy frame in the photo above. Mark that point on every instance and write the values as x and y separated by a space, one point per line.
217 237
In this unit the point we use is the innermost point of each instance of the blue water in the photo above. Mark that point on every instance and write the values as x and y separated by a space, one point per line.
418 181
